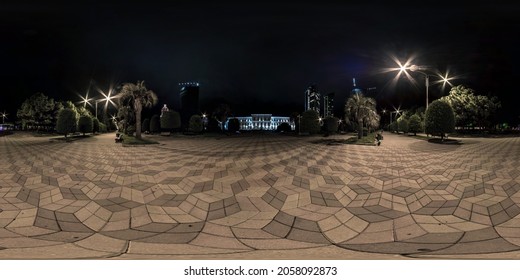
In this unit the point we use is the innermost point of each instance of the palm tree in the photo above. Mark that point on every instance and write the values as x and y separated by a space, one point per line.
139 96
360 108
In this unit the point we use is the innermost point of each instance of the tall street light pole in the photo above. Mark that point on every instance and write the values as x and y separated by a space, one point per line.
426 80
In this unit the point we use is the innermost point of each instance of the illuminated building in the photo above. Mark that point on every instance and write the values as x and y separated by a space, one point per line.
261 122
312 99
328 105
189 102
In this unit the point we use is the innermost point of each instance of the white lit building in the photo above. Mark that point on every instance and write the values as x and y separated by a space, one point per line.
261 122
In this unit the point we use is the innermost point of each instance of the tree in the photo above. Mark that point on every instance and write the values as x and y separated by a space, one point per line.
359 108
67 121
95 125
439 119
221 114
470 109
155 124
310 122
414 124
37 110
139 96
284 127
85 124
402 124
195 124
233 125
170 120
331 125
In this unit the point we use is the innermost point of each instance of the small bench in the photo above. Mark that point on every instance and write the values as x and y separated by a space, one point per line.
119 138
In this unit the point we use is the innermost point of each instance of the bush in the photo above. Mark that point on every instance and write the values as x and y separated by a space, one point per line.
233 125
402 124
155 124
145 127
195 124
95 125
331 125
85 124
309 122
439 119
392 127
102 128
284 127
170 120
415 124
67 122
213 125
130 130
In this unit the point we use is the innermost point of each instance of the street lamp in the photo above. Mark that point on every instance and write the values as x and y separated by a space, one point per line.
418 69
396 112
4 116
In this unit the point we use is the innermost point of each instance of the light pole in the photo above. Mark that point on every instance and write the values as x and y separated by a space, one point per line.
4 116
415 68
299 124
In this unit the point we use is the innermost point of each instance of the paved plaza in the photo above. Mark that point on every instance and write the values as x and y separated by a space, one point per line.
258 197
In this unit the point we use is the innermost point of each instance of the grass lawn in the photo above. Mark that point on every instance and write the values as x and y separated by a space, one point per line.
131 140
370 139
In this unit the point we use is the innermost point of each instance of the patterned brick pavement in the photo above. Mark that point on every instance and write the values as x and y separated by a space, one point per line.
258 197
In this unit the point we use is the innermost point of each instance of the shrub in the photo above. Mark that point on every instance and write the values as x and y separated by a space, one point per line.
67 122
155 124
402 124
170 120
85 124
130 130
439 119
213 125
415 124
146 125
309 122
102 128
233 125
195 124
95 125
392 127
284 127
331 125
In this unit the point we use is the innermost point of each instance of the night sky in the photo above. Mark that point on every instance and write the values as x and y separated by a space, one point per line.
257 56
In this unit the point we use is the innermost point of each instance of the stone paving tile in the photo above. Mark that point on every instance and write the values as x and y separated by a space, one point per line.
249 194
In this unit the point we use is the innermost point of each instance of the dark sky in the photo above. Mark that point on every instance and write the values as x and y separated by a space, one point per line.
259 56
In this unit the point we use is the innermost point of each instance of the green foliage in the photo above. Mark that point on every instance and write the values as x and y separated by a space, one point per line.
37 111
362 109
137 96
85 124
331 124
233 125
146 125
471 109
95 125
170 120
284 127
195 124
103 128
415 124
310 122
392 127
402 124
67 122
439 119
155 124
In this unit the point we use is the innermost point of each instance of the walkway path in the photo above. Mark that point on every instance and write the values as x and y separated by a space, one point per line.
262 197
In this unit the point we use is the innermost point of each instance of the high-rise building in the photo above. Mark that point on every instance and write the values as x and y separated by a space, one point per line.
328 105
312 99
189 101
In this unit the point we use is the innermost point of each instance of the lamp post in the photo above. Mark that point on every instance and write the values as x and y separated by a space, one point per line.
4 116
299 124
416 68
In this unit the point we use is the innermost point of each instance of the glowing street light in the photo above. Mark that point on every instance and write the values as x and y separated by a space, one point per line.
396 112
421 69
107 98
4 116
